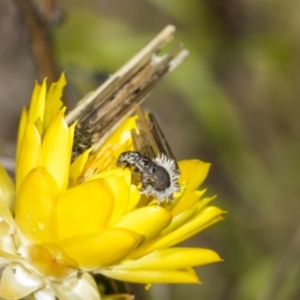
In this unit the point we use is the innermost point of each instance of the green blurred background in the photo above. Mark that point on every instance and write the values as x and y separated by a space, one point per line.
234 103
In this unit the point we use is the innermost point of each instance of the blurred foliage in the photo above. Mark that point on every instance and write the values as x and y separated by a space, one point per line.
235 103
240 84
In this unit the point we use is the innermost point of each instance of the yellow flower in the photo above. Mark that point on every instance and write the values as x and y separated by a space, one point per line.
63 222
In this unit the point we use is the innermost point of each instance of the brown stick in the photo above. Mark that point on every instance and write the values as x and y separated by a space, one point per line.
39 38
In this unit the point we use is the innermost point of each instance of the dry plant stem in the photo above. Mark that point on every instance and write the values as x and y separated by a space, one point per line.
39 40
160 138
103 110
48 7
145 143
150 140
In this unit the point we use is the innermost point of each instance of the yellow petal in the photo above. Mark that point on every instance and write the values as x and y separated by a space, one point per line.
81 287
187 201
210 217
120 191
36 206
85 208
170 259
51 261
193 173
17 282
119 141
34 103
203 202
122 135
125 194
202 220
169 276
77 167
97 250
37 106
30 153
182 218
7 189
22 127
146 221
56 151
53 100
37 102
5 213
134 198
122 173
179 220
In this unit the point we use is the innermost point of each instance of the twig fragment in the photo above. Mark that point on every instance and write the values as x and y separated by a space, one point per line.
103 110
